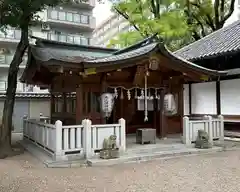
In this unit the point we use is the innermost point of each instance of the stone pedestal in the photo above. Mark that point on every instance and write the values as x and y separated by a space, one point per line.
109 154
146 136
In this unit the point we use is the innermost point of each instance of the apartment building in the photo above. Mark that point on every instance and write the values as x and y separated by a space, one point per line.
71 23
109 29
116 24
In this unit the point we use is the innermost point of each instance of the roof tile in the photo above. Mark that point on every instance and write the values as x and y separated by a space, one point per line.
221 41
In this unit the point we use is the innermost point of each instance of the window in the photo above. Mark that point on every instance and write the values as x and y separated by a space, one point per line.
54 14
17 34
62 38
77 40
3 85
62 15
70 39
84 41
69 17
84 19
76 18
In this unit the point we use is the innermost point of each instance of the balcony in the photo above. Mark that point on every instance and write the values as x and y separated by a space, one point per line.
88 4
74 39
22 87
5 61
71 20
10 36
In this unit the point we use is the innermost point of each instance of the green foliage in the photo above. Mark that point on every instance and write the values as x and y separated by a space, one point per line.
165 19
178 22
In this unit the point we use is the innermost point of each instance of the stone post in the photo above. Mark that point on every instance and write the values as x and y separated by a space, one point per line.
87 143
185 138
122 123
58 140
210 129
25 125
221 127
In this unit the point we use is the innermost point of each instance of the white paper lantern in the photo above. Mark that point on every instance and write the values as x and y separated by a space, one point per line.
169 104
107 102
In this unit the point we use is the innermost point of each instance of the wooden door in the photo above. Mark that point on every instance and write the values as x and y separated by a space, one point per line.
91 105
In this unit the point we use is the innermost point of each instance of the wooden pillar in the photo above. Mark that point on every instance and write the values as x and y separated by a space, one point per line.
218 97
155 116
190 98
79 104
64 106
52 106
103 90
162 119
180 106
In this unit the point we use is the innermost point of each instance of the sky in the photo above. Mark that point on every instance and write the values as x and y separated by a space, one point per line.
102 11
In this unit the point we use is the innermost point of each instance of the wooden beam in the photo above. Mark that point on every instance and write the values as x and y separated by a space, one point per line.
162 119
79 104
218 97
190 98
139 75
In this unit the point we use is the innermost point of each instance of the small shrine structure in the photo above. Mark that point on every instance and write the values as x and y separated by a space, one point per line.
142 84
218 96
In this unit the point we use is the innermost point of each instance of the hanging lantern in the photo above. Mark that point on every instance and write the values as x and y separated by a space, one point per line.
170 104
107 102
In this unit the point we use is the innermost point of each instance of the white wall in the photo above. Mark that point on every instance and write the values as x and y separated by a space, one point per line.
204 98
186 99
230 97
38 106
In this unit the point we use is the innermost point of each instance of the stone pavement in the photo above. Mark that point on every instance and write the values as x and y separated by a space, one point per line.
205 173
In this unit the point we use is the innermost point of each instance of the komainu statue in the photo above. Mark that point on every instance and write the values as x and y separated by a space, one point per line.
110 149
202 141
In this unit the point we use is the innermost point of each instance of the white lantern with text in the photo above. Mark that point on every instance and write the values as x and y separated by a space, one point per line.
170 105
107 102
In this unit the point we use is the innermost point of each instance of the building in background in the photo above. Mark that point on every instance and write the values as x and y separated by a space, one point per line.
115 24
71 23
109 29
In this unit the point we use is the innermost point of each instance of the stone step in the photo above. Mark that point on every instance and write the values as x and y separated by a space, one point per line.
153 148
130 158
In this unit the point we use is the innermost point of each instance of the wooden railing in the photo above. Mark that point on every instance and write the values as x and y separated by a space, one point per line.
213 126
74 141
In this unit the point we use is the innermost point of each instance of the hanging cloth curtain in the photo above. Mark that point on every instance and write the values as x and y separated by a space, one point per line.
169 105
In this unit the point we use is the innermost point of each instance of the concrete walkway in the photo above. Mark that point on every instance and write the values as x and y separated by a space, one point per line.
210 173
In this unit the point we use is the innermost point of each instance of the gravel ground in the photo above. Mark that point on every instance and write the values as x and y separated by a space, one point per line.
206 173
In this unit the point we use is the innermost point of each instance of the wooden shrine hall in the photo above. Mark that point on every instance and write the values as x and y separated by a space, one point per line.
138 78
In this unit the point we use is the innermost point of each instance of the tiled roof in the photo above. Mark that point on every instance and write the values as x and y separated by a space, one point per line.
223 41
146 50
126 55
47 54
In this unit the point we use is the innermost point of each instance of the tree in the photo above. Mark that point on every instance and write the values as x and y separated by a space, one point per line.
205 17
166 18
19 14
177 22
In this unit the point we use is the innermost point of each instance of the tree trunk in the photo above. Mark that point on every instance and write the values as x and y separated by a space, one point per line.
6 127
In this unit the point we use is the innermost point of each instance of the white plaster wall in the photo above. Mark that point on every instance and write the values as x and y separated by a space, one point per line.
38 106
230 97
186 99
204 98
